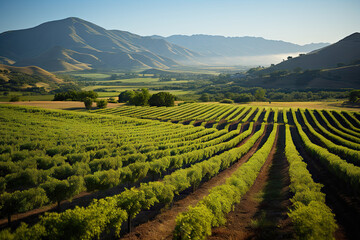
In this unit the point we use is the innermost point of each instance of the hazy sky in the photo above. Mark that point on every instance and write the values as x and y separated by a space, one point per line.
297 21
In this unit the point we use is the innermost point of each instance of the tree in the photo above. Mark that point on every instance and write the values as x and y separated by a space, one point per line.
162 99
126 96
141 97
244 97
75 95
133 201
205 97
14 99
260 94
102 103
354 96
226 100
21 201
58 191
88 103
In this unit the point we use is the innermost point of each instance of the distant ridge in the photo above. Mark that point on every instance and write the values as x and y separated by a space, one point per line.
73 44
212 45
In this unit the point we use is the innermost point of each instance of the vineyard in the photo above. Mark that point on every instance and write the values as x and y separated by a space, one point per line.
194 171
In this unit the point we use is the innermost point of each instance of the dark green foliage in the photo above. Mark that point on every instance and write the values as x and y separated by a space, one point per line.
58 191
226 101
75 95
162 99
101 103
204 97
88 103
21 201
260 94
62 172
354 96
244 98
140 98
126 96
14 99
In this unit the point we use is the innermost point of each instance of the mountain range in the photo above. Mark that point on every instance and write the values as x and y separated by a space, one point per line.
220 46
73 44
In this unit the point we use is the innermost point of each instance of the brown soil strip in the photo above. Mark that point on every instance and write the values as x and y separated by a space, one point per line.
339 197
253 115
261 117
262 212
162 226
271 117
280 116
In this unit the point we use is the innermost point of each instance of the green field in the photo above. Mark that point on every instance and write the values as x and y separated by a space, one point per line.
92 75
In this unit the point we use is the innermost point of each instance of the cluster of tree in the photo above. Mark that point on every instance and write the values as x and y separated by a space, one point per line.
66 87
354 96
88 97
75 95
142 97
17 80
243 94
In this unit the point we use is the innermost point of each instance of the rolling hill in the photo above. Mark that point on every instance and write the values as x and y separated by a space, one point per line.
27 77
75 44
344 52
333 67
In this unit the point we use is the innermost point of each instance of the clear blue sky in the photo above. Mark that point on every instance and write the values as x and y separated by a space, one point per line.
297 21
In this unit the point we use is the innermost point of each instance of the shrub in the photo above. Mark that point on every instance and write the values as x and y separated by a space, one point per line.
14 99
88 103
102 103
226 100
162 99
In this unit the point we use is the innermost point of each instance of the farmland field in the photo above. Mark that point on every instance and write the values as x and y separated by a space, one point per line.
192 171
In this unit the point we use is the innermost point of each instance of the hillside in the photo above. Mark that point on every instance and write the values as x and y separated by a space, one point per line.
344 52
27 77
74 44
333 78
214 46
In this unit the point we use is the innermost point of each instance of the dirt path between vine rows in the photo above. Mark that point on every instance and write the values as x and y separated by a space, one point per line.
162 226
339 197
262 211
